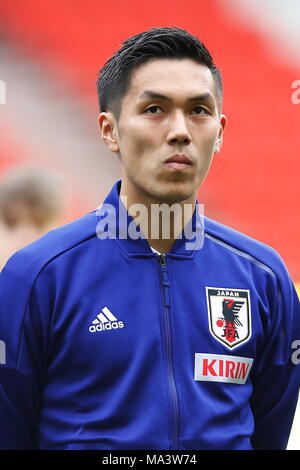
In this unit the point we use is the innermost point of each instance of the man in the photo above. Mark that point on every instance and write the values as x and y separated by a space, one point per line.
121 333
30 205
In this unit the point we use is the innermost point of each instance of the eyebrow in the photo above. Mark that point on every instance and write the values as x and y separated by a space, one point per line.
205 97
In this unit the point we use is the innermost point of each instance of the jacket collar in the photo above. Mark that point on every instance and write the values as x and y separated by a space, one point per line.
115 222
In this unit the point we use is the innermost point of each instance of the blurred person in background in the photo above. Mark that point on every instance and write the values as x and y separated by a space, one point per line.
30 206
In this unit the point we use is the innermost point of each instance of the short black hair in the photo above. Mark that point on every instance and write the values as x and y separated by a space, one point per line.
157 43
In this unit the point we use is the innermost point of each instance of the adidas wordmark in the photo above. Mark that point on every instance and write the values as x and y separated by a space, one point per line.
105 321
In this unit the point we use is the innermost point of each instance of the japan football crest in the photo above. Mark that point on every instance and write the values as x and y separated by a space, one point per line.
229 315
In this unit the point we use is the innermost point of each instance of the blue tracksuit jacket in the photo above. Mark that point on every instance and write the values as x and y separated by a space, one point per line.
106 345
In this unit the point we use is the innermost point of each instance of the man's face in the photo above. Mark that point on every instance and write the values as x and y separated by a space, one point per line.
169 111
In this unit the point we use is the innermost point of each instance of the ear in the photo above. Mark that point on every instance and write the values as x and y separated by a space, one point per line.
109 131
219 141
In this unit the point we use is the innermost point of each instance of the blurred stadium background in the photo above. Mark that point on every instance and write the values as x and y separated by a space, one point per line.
51 50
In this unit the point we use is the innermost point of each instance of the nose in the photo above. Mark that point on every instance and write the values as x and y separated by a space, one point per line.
178 130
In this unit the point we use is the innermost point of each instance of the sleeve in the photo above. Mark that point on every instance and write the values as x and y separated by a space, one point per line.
23 332
276 378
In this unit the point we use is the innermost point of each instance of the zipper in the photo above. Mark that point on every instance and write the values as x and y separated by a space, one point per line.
171 380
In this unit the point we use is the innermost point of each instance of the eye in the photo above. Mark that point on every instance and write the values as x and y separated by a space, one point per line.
198 110
153 110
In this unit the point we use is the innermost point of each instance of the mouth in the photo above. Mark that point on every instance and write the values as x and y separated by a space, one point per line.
178 162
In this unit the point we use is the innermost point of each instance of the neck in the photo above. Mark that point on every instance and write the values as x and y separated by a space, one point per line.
161 221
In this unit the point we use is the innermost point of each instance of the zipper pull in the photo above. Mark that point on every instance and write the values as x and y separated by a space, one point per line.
162 259
164 278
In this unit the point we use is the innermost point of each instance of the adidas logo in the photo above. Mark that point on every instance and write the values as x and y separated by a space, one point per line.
105 321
